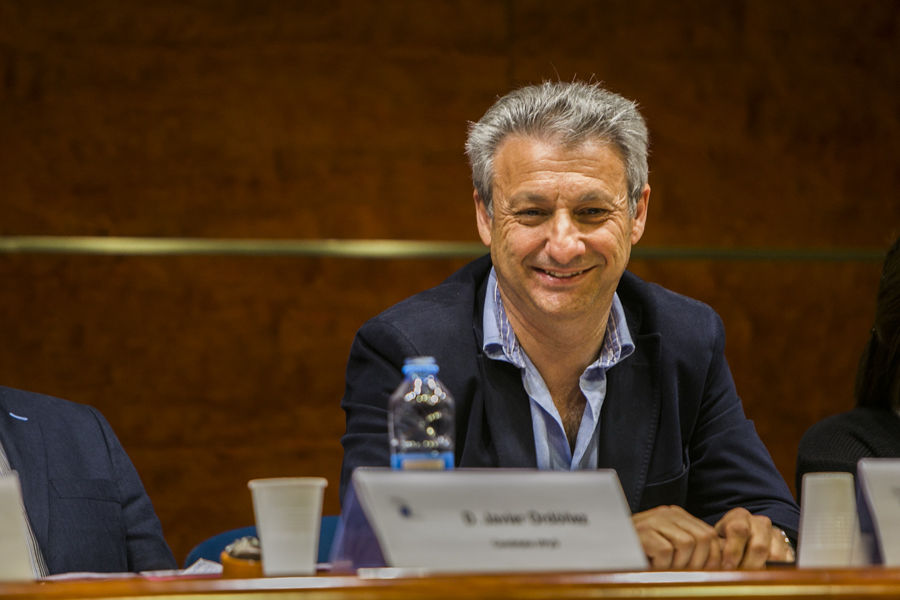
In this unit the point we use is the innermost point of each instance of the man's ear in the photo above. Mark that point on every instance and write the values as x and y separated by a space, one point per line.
482 219
640 215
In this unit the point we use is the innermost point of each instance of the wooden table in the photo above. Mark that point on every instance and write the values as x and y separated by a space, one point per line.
775 583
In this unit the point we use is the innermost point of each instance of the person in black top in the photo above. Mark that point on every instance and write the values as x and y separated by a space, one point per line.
872 428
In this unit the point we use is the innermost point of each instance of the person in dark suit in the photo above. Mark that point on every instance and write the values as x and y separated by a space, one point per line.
84 502
872 428
560 359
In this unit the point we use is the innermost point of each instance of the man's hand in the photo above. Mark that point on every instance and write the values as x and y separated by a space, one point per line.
674 539
751 540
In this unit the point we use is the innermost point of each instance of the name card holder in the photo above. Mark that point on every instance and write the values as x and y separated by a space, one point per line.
494 520
830 534
879 483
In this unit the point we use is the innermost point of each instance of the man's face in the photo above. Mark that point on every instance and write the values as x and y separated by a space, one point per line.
561 233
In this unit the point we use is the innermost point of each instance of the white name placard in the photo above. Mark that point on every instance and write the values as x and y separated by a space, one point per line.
483 520
830 535
879 480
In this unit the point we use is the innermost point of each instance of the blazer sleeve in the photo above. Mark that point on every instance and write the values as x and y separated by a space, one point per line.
373 373
730 465
145 545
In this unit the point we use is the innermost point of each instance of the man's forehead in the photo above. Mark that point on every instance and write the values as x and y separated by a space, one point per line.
525 158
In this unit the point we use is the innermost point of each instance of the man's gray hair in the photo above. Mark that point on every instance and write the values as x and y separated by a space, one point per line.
570 113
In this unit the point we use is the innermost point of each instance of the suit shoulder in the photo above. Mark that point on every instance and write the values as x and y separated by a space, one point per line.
447 305
837 442
25 404
864 426
661 309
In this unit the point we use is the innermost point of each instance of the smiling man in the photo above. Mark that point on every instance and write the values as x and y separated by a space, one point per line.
558 358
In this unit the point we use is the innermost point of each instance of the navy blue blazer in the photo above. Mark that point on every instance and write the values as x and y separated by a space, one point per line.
672 425
84 499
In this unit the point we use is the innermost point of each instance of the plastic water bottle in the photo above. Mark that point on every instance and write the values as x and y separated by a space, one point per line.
421 419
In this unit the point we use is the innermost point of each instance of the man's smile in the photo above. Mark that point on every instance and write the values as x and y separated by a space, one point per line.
562 274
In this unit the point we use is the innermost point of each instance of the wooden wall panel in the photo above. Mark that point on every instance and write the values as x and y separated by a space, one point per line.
215 120
212 371
774 125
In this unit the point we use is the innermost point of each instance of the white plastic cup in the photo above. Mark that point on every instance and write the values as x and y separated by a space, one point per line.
288 513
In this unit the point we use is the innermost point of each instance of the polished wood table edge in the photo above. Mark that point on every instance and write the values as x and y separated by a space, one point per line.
777 583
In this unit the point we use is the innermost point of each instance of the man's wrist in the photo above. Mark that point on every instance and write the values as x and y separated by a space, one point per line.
785 538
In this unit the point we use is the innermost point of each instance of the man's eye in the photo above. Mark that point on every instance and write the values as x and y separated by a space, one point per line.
593 213
530 212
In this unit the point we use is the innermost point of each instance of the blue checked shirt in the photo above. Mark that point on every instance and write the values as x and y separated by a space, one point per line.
553 451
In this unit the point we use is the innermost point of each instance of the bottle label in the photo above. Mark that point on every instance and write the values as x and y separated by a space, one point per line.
422 461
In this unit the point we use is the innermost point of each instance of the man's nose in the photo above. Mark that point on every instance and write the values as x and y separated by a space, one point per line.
564 242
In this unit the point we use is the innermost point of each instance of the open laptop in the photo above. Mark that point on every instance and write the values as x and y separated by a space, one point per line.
494 520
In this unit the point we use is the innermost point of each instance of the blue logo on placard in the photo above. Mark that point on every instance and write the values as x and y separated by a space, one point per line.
403 508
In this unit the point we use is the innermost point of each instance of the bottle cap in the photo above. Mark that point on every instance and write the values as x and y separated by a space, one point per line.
420 364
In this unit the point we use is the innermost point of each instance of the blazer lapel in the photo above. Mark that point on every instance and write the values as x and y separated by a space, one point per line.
630 417
507 411
23 442
499 432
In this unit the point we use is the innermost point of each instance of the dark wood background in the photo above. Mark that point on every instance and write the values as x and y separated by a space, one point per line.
775 125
